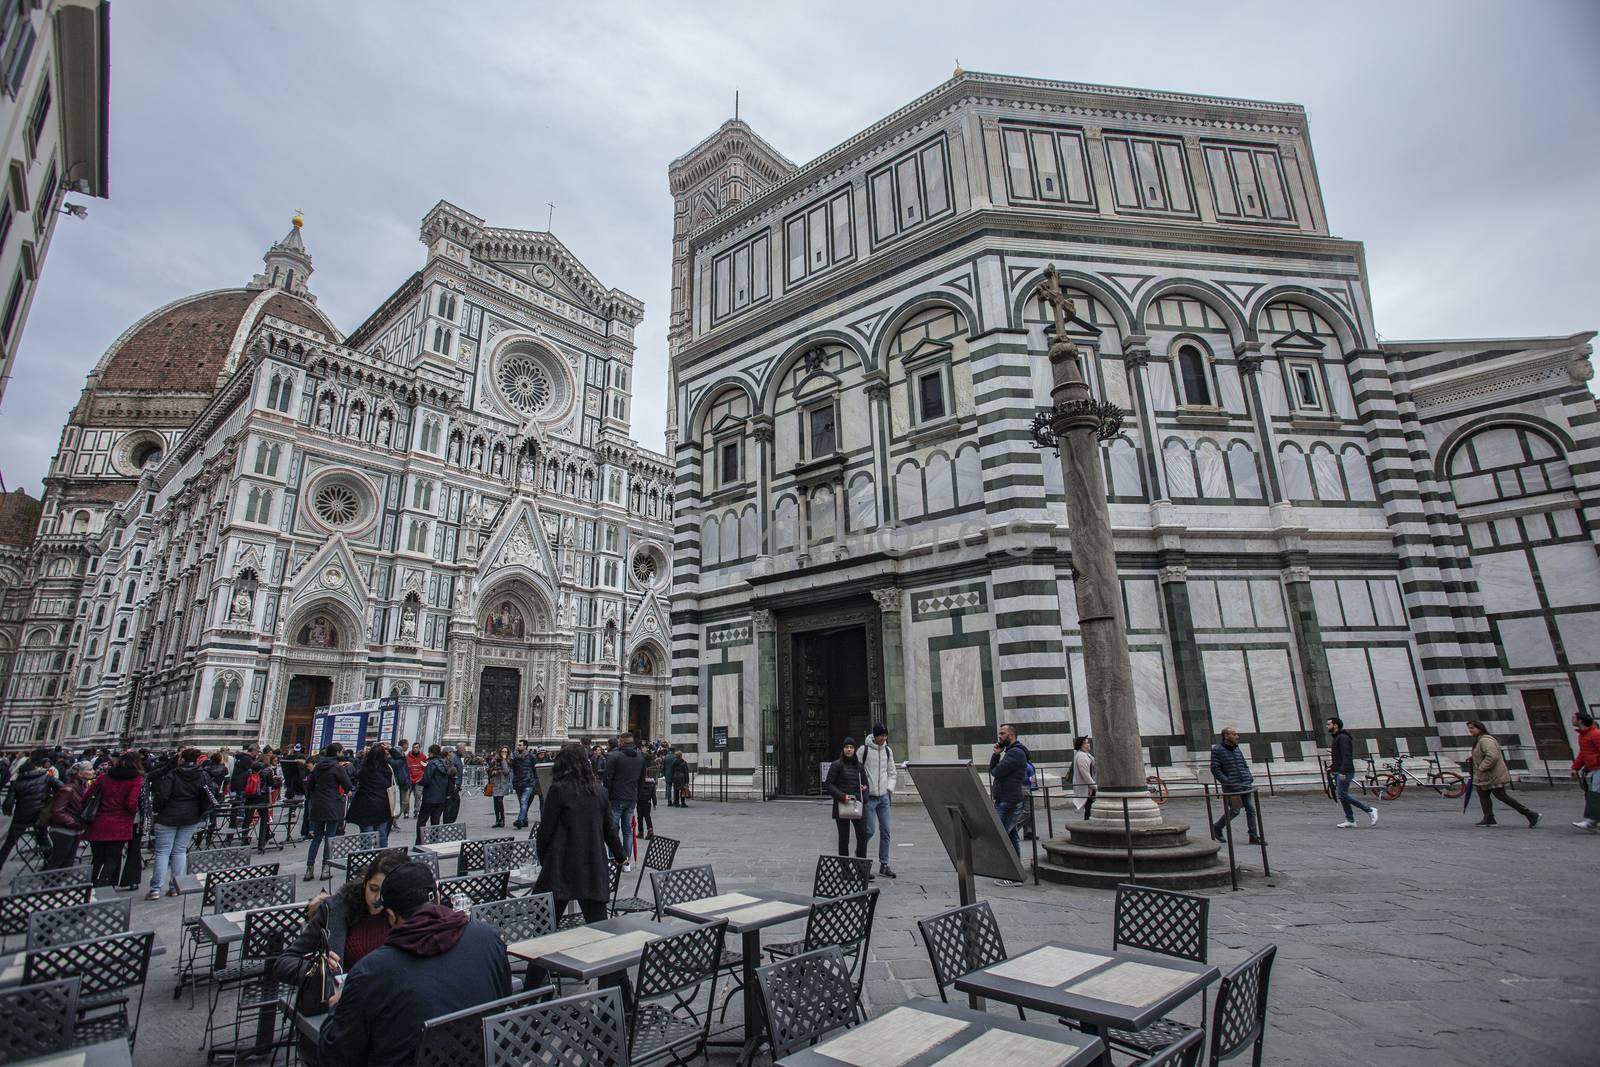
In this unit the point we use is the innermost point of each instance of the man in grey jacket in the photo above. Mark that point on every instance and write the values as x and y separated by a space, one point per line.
877 765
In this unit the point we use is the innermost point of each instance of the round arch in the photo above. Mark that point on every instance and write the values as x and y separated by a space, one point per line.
342 616
793 354
1238 329
1451 444
530 596
1344 326
712 392
914 306
1072 279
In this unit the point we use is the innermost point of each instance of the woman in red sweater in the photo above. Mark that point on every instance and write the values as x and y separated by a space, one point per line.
1586 768
112 828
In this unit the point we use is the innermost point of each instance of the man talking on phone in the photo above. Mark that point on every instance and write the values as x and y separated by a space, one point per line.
1008 771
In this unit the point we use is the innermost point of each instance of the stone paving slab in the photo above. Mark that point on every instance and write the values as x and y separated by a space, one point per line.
1420 941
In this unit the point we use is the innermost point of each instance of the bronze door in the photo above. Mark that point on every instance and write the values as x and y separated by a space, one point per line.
498 691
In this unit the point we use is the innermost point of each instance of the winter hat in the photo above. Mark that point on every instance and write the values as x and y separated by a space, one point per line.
408 887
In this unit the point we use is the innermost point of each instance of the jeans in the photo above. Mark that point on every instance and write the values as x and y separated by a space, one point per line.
1347 800
622 817
1229 812
171 852
844 826
877 820
320 831
382 830
524 799
1011 812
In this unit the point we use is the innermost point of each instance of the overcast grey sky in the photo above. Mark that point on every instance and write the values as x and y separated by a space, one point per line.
1459 140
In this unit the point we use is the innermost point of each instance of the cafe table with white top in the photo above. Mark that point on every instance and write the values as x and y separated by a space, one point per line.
748 911
110 1053
595 950
1102 989
928 1033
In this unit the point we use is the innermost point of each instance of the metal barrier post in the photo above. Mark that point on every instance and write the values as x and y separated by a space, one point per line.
1227 829
1261 832
1127 836
1033 834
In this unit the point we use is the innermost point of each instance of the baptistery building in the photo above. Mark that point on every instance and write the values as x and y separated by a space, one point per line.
1310 521
253 514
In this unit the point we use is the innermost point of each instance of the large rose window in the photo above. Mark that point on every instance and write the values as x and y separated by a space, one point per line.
337 504
525 383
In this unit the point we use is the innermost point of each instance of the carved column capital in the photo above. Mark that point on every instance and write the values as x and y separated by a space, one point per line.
761 428
1296 573
1177 572
888 599
763 621
1136 356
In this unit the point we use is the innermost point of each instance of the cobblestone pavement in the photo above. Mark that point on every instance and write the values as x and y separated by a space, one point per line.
1420 941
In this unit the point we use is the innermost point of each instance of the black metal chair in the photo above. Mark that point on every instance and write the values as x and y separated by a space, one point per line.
843 921
263 891
1170 924
268 932
428 860
356 864
519 918
960 941
37 1020
456 1040
1184 1052
108 969
838 876
194 937
478 888
446 831
805 998
533 831
508 855
341 847
17 908
657 857
589 1029
81 922
663 1019
217 859
470 858
1239 1020
32 881
683 884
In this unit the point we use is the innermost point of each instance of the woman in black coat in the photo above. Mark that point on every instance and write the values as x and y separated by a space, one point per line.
326 787
369 808
435 787
846 782
575 832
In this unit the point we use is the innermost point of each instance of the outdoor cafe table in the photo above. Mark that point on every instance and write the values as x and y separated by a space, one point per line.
595 950
926 1033
1101 989
748 911
112 1053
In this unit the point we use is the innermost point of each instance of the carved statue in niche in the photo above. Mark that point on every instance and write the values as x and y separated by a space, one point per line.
552 477
325 412
525 472
353 424
499 460
408 623
455 448
608 649
385 428
240 611
505 621
477 453
474 512
320 632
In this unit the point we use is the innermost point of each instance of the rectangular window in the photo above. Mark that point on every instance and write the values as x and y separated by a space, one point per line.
739 277
728 463
818 237
1247 182
18 44
821 431
909 192
47 200
930 396
7 215
1149 174
41 111
13 310
1307 394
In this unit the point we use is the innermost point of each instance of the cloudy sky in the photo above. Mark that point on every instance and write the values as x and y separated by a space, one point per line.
1457 139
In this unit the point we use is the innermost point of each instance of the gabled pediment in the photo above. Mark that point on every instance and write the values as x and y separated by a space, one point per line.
519 541
1299 339
331 572
926 349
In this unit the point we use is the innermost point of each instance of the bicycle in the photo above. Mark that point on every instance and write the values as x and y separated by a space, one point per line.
1158 788
1447 784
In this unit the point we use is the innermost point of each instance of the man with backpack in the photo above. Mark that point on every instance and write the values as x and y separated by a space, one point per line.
243 763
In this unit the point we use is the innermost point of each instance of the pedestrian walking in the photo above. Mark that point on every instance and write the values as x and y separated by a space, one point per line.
622 775
259 784
67 815
576 833
111 828
400 772
1232 772
847 787
369 807
500 783
416 764
327 785
1490 776
435 787
1083 768
182 797
647 795
678 779
523 778
458 773
878 770
1344 769
28 799
1008 778
1586 769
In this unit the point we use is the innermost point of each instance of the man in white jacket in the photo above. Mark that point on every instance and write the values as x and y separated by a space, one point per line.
877 767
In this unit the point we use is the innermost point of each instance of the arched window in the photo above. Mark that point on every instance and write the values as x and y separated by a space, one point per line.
225 696
100 615
1192 372
274 390
1357 475
122 626
80 521
1243 471
1506 463
441 340
129 592
116 661
263 453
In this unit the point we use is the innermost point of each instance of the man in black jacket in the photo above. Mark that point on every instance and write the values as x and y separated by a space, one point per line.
433 962
1344 769
622 775
1232 772
327 786
243 764
402 779
31 791
1008 771
524 782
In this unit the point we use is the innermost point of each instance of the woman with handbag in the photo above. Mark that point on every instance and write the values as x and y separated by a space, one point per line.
110 827
499 784
369 809
69 811
575 836
845 782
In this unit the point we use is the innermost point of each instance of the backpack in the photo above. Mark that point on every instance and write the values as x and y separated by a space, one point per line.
252 783
1030 775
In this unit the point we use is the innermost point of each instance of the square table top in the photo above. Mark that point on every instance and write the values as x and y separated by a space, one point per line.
227 927
926 1032
746 910
442 849
112 1053
1126 990
595 950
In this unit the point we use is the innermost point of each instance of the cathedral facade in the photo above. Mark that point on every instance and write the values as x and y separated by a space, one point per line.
1309 521
252 514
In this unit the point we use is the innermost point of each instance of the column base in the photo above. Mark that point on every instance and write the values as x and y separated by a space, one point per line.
1143 811
1095 851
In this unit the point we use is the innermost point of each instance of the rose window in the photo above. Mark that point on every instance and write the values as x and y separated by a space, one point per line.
525 384
337 504
644 568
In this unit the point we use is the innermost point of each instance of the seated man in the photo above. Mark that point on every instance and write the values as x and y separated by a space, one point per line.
432 963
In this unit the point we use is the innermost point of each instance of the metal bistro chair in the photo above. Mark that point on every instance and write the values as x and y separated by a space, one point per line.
216 859
470 858
575 918
356 864
805 998
37 1020
107 969
657 857
194 935
664 1020
340 848
960 941
696 883
533 831
428 860
32 881
1170 924
1184 1052
17 908
839 876
479 888
589 1029
268 932
81 922
456 1040
519 918
446 831
845 922
1240 1018
508 855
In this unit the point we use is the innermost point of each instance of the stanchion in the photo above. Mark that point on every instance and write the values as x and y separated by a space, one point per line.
1127 837
1261 833
1033 835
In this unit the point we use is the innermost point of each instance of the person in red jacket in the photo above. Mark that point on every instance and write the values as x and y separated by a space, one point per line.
112 828
1586 768
416 764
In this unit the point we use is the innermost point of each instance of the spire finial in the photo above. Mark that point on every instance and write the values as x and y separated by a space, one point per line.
958 71
299 219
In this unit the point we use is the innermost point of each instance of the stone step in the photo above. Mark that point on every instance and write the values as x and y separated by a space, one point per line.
1065 874
1189 856
1093 834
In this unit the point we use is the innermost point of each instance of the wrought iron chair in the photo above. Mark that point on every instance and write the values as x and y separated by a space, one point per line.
839 876
428 860
220 890
1239 1020
960 941
32 881
268 932
657 857
663 1020
682 885
17 908
108 969
519 918
533 831
217 859
340 848
470 858
843 921
589 1029
479 888
508 855
805 998
456 1040
1184 1052
356 863
575 918
1167 923
37 1020
81 922
446 831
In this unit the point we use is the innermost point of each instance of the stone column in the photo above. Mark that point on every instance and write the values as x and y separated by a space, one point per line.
894 668
1249 355
1194 700
1320 702
765 626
